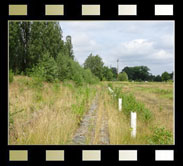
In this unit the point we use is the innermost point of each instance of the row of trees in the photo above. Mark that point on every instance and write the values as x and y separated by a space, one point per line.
141 73
136 73
38 49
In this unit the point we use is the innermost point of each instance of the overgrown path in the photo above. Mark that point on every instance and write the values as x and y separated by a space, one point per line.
90 131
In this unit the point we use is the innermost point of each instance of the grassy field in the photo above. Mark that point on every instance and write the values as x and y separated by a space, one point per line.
45 113
51 113
153 103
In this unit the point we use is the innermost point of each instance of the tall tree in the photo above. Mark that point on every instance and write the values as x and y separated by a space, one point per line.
165 76
107 73
95 64
137 73
69 47
15 49
114 71
30 41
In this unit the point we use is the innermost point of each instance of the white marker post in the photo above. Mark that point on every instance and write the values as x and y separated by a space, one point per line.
133 124
110 90
120 104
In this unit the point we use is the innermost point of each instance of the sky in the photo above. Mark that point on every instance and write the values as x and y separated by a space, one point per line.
134 43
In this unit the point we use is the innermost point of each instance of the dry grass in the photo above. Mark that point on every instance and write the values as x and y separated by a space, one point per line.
43 116
154 97
52 114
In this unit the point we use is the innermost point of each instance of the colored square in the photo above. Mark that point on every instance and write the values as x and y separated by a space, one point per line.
127 155
18 155
91 155
54 10
163 10
164 155
54 155
127 10
17 10
90 10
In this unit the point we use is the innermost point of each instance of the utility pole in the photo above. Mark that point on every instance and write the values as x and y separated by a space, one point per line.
117 68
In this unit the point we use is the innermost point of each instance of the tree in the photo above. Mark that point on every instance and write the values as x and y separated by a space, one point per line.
107 74
138 73
95 64
158 78
123 76
14 46
30 41
64 66
114 71
69 47
165 76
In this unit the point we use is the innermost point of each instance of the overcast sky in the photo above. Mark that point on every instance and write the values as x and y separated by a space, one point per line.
134 43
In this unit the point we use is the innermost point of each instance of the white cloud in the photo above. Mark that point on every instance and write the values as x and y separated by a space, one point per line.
147 43
162 55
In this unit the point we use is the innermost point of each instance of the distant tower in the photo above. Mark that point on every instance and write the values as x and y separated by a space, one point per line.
117 67
68 39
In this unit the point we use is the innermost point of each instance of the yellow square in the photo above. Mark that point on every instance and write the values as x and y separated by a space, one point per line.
18 155
54 10
54 155
17 10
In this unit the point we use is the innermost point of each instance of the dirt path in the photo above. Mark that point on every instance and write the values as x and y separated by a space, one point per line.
85 134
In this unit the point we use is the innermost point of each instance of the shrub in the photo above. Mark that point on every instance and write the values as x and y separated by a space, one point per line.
45 70
123 76
50 67
160 136
64 67
11 76
130 104
89 77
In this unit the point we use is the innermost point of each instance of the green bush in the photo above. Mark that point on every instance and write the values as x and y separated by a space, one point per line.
130 104
89 77
123 76
64 67
68 69
160 136
45 70
11 76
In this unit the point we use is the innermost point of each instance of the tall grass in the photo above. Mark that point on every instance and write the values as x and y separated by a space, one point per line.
119 122
46 113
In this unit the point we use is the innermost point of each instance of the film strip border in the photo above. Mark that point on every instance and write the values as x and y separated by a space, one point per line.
92 9
91 155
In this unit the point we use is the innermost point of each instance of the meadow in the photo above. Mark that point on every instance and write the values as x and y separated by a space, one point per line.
43 113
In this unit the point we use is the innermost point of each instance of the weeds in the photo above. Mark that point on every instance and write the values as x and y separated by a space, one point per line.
160 136
55 107
11 75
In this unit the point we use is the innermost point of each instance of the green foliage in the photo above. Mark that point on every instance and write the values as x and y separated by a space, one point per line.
89 77
11 75
165 76
50 67
107 74
110 85
69 69
46 69
130 104
160 136
95 64
137 73
123 76
158 78
28 41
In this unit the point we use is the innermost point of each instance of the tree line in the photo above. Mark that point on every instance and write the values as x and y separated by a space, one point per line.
136 73
37 49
